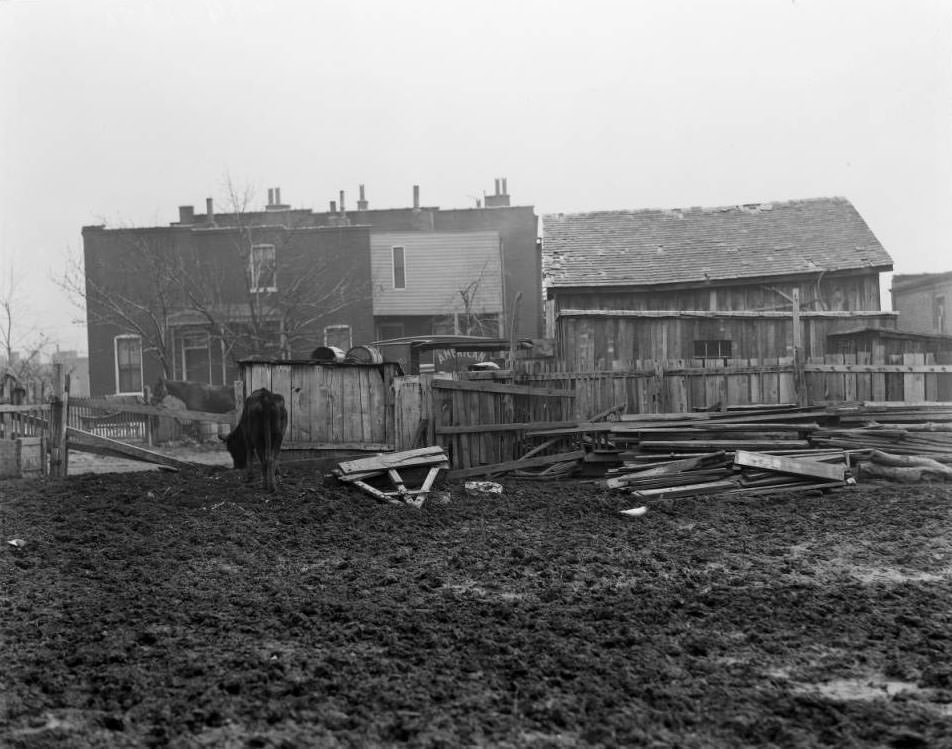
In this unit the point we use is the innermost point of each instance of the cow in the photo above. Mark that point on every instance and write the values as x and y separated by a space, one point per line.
260 432
197 396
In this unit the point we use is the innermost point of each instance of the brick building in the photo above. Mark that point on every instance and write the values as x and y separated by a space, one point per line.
191 299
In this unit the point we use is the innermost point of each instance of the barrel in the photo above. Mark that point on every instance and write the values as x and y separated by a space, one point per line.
364 355
328 353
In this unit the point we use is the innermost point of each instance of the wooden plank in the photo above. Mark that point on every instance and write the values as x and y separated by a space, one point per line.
516 464
390 460
711 445
362 446
707 487
881 368
493 387
87 442
796 466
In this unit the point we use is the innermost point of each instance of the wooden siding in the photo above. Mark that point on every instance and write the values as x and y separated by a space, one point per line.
438 266
615 341
330 406
857 291
916 306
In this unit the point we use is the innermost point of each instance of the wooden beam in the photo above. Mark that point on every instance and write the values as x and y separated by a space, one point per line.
88 442
510 465
493 387
387 461
797 466
709 445
506 427
707 487
879 368
727 314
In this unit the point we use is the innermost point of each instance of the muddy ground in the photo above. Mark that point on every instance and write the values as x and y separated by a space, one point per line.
189 610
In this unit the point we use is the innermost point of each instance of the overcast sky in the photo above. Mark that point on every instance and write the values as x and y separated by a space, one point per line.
119 112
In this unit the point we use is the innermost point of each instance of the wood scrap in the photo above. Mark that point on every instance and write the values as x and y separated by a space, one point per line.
386 468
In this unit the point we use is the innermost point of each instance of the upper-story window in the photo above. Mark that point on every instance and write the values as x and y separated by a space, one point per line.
938 314
263 268
399 268
128 352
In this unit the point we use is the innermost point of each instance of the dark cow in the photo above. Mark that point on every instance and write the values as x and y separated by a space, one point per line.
197 396
260 432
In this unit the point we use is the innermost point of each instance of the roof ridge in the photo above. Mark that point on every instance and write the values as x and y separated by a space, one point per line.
703 209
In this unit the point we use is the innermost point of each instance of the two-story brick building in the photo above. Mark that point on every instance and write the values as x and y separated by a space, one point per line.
190 299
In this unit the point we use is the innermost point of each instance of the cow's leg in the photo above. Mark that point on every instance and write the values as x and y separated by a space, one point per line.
249 466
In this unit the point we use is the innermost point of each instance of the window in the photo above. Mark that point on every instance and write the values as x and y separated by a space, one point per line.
338 336
263 268
399 268
128 364
715 349
196 358
938 314
388 330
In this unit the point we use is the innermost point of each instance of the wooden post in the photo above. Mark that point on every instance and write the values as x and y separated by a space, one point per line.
513 321
799 376
149 420
57 424
64 424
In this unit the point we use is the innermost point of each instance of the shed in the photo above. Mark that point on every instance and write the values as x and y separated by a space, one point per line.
331 406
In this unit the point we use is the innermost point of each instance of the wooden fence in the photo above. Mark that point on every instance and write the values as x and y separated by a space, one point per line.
482 418
330 406
24 421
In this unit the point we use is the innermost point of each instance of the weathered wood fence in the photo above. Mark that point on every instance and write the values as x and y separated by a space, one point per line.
330 406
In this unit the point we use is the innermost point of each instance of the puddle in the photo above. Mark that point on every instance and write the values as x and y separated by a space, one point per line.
869 689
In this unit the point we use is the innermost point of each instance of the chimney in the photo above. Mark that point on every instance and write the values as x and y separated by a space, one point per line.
186 214
362 203
209 211
416 197
270 196
277 195
342 209
501 198
333 206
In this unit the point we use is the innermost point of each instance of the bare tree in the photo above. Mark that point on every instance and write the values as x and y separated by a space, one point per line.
470 321
21 343
153 281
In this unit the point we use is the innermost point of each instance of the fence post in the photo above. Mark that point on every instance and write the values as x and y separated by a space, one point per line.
799 376
58 425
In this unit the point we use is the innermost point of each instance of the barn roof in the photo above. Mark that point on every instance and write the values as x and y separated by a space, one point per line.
696 245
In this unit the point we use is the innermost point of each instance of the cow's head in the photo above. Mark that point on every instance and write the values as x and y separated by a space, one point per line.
235 442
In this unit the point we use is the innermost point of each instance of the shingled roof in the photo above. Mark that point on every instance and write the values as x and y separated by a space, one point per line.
657 247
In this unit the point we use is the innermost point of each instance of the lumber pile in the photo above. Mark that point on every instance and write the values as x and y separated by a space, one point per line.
735 472
382 476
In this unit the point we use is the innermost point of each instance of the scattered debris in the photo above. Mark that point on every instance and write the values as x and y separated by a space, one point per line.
17 542
635 511
380 477
483 488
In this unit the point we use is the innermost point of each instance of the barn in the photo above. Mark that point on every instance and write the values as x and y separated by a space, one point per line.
709 284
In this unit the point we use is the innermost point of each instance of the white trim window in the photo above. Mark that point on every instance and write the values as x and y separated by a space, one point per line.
338 336
263 268
399 264
128 360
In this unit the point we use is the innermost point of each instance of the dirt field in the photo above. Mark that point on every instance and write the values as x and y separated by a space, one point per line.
184 610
